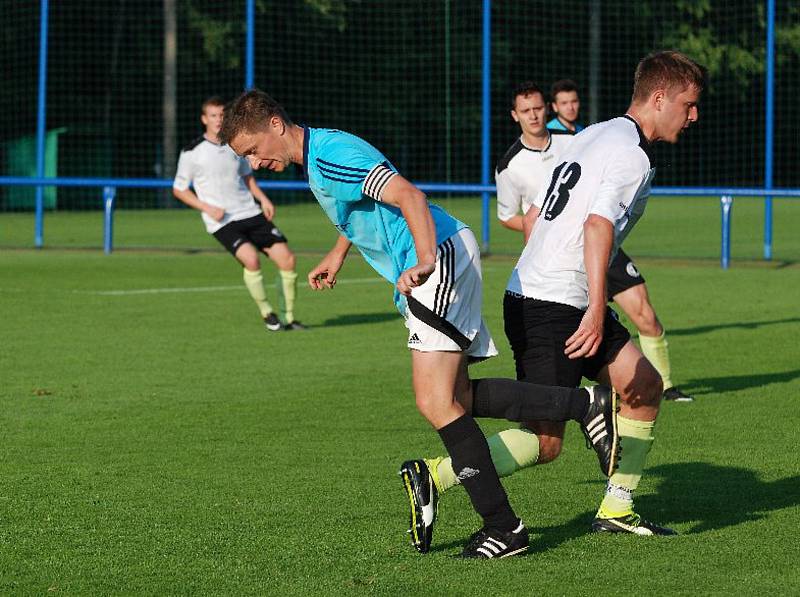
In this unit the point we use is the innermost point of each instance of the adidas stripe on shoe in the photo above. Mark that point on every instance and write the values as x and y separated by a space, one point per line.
488 543
599 425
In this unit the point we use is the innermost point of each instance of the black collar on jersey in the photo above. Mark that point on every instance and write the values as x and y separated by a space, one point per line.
515 148
643 142
306 134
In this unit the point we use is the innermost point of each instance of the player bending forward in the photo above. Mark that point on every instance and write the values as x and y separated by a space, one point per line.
434 262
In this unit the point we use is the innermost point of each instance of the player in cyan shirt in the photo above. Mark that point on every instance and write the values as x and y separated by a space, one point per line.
434 262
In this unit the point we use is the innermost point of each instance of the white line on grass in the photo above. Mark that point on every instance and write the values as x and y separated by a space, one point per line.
136 291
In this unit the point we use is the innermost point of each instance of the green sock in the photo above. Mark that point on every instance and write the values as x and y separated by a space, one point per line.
511 450
288 291
255 286
656 349
636 438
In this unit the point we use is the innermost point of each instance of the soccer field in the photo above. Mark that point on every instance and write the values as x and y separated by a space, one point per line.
156 440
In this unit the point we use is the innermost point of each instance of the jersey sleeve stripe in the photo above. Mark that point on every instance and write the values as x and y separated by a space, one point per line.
376 181
337 179
350 177
340 167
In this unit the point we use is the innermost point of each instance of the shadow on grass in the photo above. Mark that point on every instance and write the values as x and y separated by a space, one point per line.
730 383
741 325
705 496
360 318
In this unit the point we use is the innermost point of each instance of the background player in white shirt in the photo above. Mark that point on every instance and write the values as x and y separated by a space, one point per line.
224 191
530 159
555 309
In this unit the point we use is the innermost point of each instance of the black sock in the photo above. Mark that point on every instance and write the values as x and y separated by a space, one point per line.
500 398
473 465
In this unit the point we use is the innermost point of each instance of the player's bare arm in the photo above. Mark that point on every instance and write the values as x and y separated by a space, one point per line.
598 233
189 198
528 221
514 223
414 205
324 275
266 205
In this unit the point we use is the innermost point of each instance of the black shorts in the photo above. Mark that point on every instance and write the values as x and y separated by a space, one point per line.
538 330
257 230
622 274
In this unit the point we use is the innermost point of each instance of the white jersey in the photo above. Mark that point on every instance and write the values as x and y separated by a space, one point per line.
606 171
217 175
522 172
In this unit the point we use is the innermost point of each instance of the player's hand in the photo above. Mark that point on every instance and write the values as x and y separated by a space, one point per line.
586 340
215 212
414 276
324 275
268 208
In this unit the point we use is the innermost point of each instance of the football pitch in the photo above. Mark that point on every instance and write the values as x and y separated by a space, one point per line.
156 440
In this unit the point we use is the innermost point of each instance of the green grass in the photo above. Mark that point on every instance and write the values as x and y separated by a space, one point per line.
163 443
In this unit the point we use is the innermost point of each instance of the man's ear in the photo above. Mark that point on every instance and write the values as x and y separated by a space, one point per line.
657 98
554 106
514 115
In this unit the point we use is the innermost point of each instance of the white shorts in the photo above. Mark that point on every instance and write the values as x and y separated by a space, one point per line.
444 314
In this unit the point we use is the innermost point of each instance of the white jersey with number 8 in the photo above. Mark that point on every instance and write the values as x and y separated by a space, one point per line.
606 171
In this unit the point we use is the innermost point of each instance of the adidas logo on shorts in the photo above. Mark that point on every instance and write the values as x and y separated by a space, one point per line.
414 339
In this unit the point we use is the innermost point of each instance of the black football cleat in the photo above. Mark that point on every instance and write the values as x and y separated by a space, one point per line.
600 427
295 325
632 524
424 501
674 394
490 543
272 323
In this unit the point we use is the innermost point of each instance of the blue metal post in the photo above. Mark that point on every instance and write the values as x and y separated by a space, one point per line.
769 127
109 199
41 124
486 118
726 205
250 45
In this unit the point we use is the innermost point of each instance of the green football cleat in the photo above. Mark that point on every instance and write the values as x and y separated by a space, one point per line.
631 523
673 394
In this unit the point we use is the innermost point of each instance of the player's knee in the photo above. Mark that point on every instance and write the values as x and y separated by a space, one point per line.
648 323
435 411
549 449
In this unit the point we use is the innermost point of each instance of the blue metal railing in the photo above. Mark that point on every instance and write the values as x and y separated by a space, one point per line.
484 188
110 186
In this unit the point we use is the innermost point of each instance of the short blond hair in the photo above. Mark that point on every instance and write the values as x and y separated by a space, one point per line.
666 70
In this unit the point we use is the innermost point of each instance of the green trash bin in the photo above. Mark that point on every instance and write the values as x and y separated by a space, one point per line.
21 161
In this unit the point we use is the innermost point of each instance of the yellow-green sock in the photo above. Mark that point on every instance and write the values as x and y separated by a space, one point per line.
511 450
255 286
656 349
289 291
636 438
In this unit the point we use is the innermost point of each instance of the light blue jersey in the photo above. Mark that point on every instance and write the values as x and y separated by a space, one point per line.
345 172
557 125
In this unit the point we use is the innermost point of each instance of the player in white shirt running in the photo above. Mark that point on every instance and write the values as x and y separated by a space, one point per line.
224 191
626 285
555 309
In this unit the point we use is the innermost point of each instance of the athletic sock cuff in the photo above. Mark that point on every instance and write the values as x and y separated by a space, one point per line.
459 430
634 428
